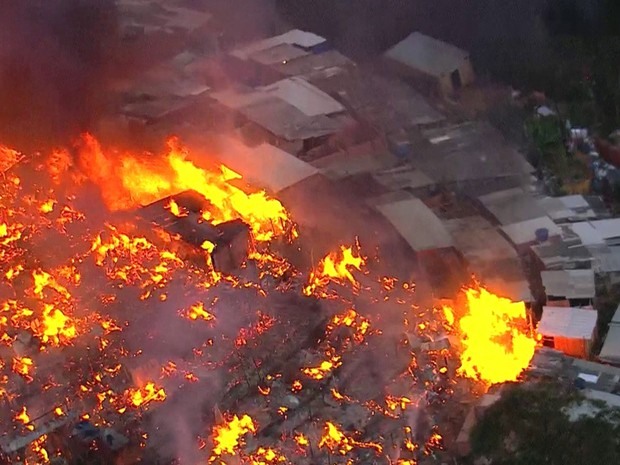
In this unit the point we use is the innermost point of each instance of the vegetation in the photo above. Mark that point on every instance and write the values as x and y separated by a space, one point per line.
528 425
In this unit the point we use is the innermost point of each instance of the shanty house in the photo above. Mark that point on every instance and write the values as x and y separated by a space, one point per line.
428 237
441 68
568 329
291 113
231 238
256 63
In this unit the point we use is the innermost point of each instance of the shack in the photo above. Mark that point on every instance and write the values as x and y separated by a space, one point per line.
230 240
440 68
568 329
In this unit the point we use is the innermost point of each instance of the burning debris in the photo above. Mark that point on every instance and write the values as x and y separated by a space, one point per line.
162 306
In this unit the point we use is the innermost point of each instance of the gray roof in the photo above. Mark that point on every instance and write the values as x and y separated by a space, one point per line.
524 232
479 241
278 54
559 255
312 64
426 54
611 348
573 208
568 322
385 102
572 284
605 259
284 120
470 151
512 205
284 169
417 224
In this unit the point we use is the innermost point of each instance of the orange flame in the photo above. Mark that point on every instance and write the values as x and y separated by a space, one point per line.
55 327
323 369
198 311
335 267
142 180
228 437
336 441
146 394
497 343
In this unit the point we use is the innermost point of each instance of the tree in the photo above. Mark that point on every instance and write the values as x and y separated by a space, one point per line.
529 425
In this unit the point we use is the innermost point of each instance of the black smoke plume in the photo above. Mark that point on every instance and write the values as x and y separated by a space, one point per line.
55 57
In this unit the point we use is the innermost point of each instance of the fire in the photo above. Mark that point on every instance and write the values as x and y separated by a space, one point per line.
265 456
146 394
323 369
23 416
301 440
336 441
197 311
497 344
229 437
55 327
23 366
176 209
43 280
145 179
336 267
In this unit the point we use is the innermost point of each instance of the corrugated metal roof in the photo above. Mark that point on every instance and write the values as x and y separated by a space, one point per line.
605 259
572 284
512 205
609 229
525 231
426 54
467 152
611 348
587 233
286 121
478 240
304 96
560 255
265 166
293 37
278 54
568 322
417 224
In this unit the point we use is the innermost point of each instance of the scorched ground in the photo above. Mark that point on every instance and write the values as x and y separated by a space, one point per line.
130 338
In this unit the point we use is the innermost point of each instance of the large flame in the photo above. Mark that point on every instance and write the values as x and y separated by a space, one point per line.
127 180
337 267
497 342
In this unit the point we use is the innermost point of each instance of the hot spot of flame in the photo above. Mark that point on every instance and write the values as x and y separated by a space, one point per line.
497 343
301 440
23 366
55 327
24 417
266 456
229 436
197 311
336 441
323 369
175 209
148 393
335 267
128 180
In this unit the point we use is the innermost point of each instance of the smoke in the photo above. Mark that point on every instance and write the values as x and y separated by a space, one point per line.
54 59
